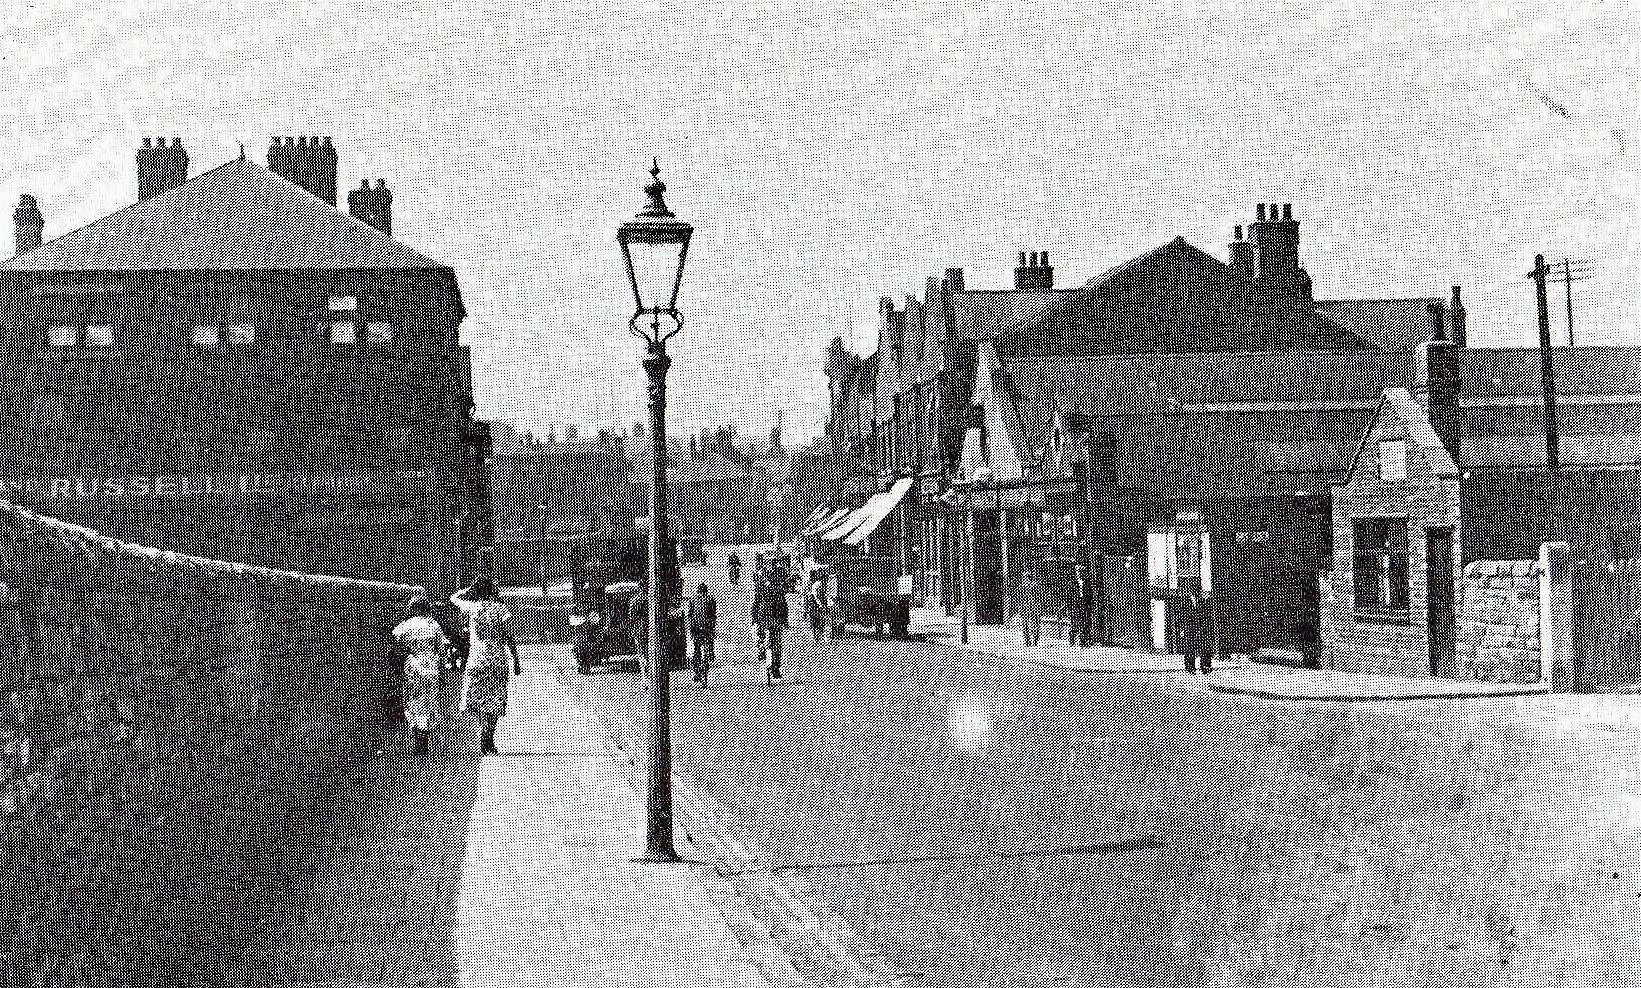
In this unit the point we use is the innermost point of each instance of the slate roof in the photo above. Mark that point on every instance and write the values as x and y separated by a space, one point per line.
1388 323
239 216
1175 298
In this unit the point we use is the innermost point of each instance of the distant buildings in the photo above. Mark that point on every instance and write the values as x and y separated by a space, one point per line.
1180 422
233 367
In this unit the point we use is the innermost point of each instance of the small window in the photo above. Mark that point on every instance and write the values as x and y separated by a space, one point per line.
64 335
1393 459
344 332
242 333
99 335
1379 568
343 303
380 332
207 336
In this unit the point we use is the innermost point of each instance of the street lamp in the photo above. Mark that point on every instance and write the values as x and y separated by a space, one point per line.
653 245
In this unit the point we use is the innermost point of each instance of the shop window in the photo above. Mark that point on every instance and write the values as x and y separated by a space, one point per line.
242 333
343 303
1379 568
1393 459
64 335
379 332
99 335
344 332
207 335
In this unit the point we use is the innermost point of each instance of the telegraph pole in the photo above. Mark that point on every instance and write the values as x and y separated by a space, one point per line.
1552 436
1566 273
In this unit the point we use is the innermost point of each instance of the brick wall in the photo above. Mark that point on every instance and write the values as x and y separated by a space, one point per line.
1498 622
1379 644
169 727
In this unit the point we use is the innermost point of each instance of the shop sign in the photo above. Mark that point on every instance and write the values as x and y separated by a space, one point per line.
143 487
1253 538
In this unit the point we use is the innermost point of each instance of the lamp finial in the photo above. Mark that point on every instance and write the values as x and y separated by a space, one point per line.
657 206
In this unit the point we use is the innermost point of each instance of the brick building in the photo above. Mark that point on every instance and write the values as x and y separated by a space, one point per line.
232 367
905 409
1438 519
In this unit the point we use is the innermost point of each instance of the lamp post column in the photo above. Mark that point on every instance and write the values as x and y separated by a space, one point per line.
658 830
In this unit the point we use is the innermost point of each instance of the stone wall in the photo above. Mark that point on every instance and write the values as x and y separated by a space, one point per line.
169 728
1498 622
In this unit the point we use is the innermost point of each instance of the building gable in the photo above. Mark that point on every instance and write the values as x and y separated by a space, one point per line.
987 441
1400 428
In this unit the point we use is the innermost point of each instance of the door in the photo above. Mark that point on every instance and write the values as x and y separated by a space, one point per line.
1438 568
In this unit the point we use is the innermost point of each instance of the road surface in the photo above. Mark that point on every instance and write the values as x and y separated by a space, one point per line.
897 810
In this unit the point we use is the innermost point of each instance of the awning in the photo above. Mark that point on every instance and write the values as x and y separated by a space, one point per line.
844 523
875 510
824 519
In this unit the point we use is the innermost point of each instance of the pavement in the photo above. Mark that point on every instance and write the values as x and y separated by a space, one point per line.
1231 675
518 869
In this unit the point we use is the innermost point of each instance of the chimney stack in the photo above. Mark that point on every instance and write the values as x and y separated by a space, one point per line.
29 223
309 162
161 167
1456 319
1242 253
373 206
953 282
1034 273
1273 246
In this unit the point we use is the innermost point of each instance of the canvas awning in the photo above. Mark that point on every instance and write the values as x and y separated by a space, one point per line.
877 508
824 519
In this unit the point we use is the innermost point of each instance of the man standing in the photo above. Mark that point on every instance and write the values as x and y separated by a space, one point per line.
638 619
1080 608
1031 609
703 632
770 616
1196 630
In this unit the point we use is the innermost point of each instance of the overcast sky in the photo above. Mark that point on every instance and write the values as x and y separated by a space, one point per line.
830 157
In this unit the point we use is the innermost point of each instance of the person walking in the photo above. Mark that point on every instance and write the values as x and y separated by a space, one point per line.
1196 630
1031 609
769 614
817 606
703 632
426 652
491 645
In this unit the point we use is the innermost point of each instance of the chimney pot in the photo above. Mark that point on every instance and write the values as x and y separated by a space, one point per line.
381 183
1236 232
1045 258
1287 211
28 223
1022 259
1259 212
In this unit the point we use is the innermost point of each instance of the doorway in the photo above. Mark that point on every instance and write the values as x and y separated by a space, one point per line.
1438 568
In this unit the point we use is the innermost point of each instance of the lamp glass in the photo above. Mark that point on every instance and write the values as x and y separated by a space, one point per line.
656 271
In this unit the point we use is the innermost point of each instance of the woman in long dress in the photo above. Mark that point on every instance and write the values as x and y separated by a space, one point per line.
426 651
491 645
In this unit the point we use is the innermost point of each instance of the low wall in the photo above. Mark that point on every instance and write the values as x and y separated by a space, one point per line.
169 728
1497 624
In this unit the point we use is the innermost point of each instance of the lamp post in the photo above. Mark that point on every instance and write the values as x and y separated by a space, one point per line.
654 245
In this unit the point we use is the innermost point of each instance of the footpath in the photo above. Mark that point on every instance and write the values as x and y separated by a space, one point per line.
517 869
1230 676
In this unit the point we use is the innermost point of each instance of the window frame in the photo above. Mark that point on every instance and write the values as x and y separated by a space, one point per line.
1381 569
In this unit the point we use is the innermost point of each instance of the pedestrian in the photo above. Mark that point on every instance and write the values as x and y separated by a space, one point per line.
769 614
491 645
638 619
1196 630
703 632
817 605
1031 609
426 651
1080 630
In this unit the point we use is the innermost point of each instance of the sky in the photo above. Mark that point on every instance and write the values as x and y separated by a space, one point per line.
828 156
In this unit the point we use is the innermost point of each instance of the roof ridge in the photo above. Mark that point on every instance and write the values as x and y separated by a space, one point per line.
128 207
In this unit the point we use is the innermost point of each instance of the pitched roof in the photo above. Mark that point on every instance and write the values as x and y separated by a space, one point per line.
238 217
1388 323
1175 298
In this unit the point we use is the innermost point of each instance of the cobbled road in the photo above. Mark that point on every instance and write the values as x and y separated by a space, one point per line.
950 819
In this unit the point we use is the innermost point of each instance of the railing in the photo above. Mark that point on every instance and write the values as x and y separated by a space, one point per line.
170 728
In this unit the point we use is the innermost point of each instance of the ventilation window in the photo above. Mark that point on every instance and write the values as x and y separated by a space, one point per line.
344 332
206 336
64 335
99 335
343 303
242 333
1393 459
380 332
